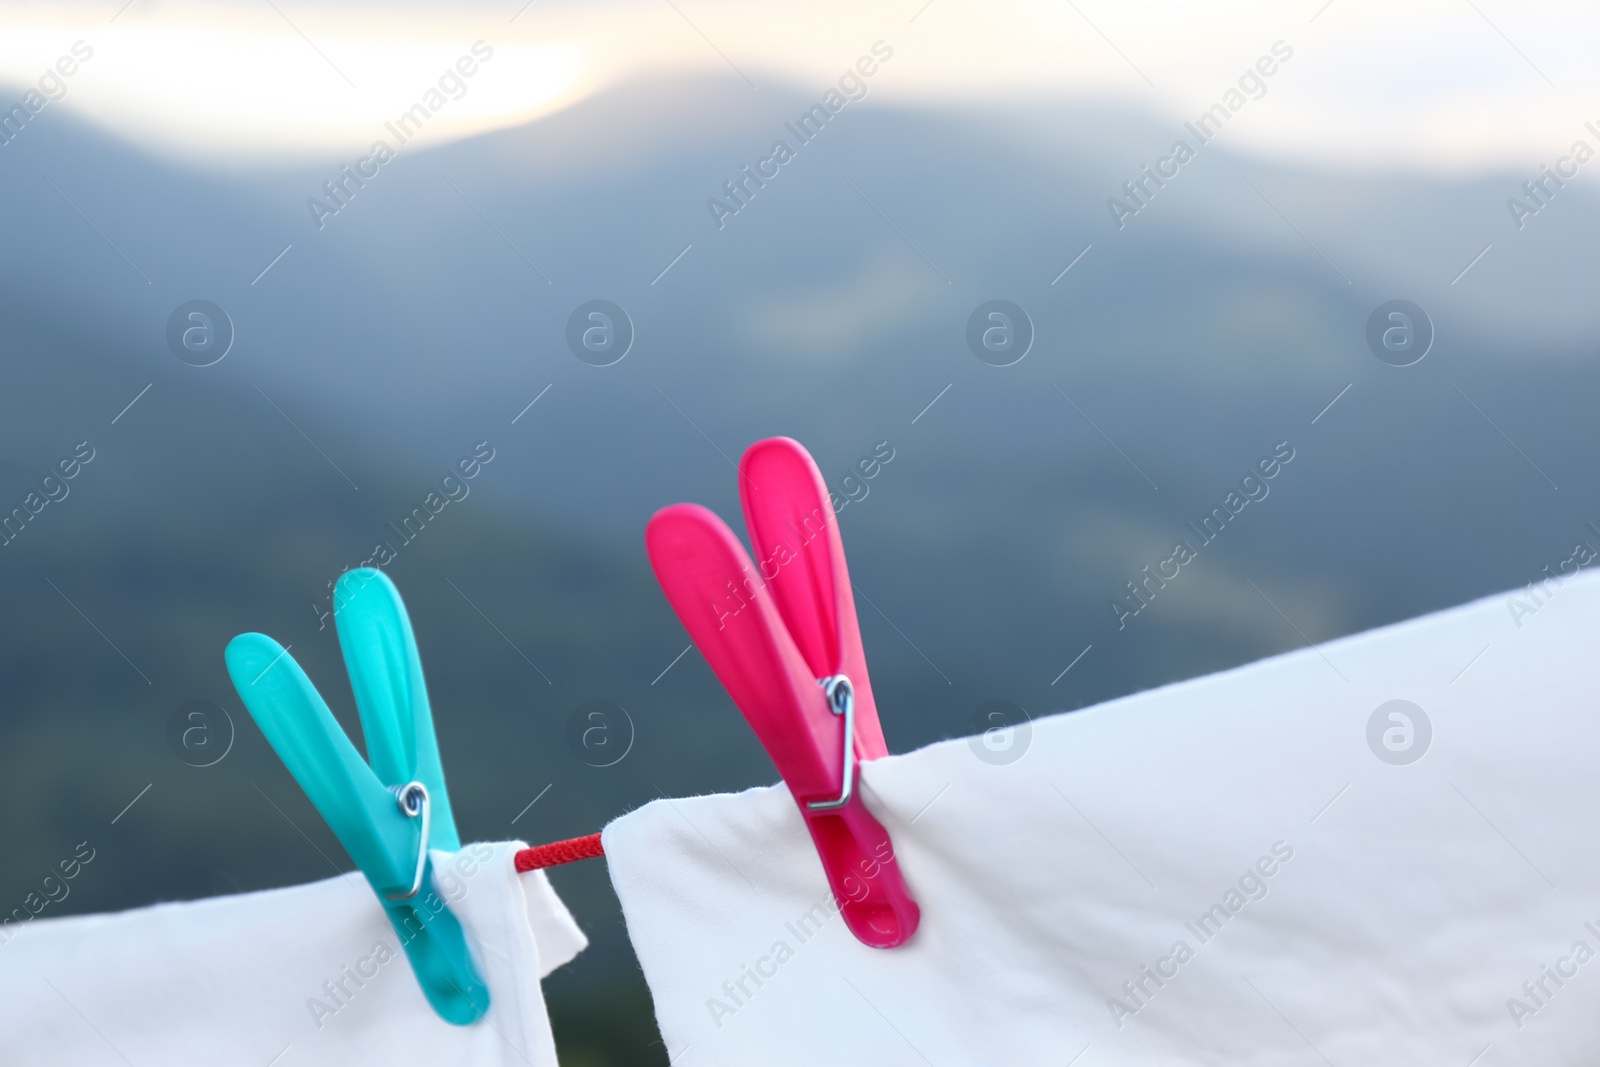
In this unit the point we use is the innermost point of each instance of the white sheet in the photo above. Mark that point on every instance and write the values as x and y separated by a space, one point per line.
301 977
1399 907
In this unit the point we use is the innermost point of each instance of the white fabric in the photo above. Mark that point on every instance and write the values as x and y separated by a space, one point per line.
1405 908
236 981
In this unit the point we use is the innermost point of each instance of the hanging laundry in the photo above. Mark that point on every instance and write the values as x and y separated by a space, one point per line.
310 976
1368 851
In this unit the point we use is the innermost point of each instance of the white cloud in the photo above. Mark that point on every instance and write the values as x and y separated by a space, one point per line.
1434 84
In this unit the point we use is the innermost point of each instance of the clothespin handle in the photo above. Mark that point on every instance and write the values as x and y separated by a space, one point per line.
380 654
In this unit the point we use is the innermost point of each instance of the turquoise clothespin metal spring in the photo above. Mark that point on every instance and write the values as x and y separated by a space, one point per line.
387 815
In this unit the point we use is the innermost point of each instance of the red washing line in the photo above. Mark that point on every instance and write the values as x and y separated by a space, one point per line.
558 852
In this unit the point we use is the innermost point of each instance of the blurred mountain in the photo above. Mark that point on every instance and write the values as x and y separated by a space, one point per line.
427 314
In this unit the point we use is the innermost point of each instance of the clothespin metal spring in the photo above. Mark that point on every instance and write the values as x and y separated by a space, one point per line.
413 800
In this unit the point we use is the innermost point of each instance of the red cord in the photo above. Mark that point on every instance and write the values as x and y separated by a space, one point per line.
557 852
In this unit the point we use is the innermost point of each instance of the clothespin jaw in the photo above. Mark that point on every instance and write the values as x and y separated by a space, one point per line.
783 638
387 814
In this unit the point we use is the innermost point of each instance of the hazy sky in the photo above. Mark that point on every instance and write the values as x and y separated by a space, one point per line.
1438 84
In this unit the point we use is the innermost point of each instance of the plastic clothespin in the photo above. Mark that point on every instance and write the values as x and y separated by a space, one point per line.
782 636
389 814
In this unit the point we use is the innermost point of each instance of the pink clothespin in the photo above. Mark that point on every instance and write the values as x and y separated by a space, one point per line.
782 636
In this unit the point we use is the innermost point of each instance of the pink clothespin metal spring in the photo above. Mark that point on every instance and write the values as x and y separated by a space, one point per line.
782 636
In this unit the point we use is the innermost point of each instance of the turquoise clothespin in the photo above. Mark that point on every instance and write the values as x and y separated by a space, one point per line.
386 815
